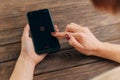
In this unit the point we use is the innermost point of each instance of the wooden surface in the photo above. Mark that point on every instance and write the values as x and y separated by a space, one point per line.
107 75
66 64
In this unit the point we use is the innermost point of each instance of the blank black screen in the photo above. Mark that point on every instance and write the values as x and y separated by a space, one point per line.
41 27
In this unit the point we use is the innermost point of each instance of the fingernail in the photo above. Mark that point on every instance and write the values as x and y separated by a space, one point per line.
67 37
53 33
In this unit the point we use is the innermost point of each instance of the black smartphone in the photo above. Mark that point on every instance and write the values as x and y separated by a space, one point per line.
41 26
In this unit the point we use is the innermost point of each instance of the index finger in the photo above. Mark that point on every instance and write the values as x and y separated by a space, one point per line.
59 34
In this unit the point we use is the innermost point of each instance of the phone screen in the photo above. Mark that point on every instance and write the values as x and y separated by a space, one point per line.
41 26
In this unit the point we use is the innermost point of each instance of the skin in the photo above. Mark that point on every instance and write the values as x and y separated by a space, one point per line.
82 39
27 60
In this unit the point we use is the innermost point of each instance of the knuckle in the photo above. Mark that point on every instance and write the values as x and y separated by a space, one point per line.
67 27
72 23
80 35
72 43
86 28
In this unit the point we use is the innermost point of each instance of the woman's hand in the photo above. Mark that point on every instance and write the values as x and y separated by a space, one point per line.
28 59
81 38
28 48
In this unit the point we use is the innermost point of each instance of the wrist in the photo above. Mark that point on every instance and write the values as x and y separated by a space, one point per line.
99 49
23 70
26 59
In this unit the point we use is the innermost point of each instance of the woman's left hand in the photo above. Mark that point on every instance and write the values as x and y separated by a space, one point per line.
28 48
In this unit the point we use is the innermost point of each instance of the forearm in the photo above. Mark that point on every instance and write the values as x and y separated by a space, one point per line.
24 69
109 51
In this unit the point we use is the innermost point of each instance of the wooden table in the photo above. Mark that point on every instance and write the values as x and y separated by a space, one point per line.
66 64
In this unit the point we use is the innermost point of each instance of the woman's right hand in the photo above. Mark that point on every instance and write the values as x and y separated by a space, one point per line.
81 38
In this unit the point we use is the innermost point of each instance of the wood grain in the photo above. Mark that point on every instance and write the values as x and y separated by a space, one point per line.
84 72
104 33
53 62
110 75
62 16
8 36
10 8
12 31
67 64
11 51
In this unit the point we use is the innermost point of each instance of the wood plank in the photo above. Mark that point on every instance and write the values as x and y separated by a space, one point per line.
107 33
53 62
84 72
9 35
19 9
8 52
110 75
59 59
12 51
14 35
104 33
6 69
63 15
12 21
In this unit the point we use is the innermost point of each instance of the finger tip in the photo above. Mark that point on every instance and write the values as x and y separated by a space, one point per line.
27 26
53 33
56 26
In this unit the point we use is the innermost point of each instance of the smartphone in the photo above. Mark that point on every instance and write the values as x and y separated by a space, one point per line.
41 26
